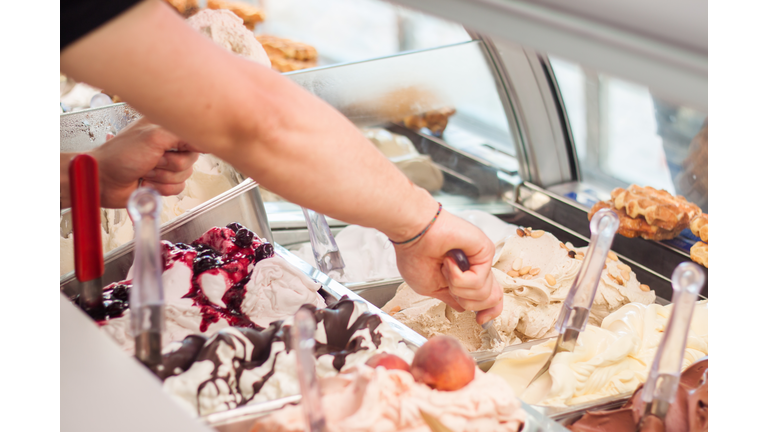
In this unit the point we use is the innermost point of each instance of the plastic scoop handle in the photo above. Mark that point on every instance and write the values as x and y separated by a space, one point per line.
303 343
324 248
147 315
574 314
664 377
86 229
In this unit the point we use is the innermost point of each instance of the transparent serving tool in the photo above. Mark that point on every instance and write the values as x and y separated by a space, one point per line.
661 386
303 343
327 255
574 314
146 297
461 260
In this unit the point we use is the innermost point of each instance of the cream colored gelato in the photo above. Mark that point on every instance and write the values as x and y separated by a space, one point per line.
210 177
366 399
399 149
226 30
535 274
608 360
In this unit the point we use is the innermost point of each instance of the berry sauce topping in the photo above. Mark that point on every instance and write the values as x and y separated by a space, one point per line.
230 251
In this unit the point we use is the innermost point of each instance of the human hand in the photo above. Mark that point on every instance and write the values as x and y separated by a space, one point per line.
428 270
142 151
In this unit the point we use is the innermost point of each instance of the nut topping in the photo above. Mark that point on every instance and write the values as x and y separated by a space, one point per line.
644 287
524 271
534 271
550 279
625 274
513 273
612 256
537 233
517 264
520 232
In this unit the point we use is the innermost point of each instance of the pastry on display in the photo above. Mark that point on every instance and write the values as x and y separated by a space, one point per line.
186 8
226 30
436 121
288 55
700 227
688 412
251 15
649 213
535 271
700 253
381 396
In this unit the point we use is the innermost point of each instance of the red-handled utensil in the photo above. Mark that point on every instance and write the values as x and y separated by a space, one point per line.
86 229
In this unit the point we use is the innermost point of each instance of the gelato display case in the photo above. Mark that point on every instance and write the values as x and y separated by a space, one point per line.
531 113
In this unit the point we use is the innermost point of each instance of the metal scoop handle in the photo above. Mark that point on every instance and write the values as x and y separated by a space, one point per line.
574 314
324 248
303 343
462 261
147 315
661 387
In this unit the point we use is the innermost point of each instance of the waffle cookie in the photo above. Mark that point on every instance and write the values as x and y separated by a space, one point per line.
649 213
251 15
700 227
436 121
287 55
700 253
186 8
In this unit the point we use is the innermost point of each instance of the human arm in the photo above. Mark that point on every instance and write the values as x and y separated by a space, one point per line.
270 129
140 151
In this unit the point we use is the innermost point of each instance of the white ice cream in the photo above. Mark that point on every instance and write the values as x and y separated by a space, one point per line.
609 360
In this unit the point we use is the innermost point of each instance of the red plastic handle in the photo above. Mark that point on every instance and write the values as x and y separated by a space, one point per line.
86 217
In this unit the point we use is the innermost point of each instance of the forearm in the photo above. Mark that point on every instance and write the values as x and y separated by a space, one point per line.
259 121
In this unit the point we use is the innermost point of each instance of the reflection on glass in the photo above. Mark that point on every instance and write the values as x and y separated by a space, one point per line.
354 30
623 134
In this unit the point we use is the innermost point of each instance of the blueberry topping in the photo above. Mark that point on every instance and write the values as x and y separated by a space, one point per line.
114 308
243 238
204 263
234 226
264 251
120 292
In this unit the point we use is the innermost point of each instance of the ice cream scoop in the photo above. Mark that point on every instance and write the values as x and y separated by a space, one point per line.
661 386
146 297
461 260
324 248
86 230
303 341
574 313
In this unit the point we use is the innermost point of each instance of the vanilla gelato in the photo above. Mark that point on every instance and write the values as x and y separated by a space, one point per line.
228 277
238 366
400 150
609 360
367 399
227 30
535 272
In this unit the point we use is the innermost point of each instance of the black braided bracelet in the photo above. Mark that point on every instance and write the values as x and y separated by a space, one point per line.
432 222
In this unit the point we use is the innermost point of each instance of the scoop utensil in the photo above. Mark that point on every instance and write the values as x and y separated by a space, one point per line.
303 343
146 298
661 386
434 424
461 260
574 314
86 230
324 248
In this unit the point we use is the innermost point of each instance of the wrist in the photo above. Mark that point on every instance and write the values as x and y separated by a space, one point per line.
417 213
